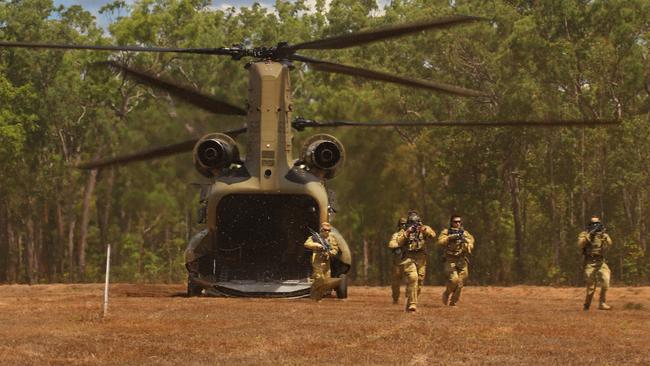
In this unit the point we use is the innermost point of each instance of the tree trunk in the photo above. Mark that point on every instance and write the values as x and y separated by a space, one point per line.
139 263
642 224
39 261
4 242
639 229
516 213
627 206
555 223
168 248
583 179
59 251
603 180
20 254
85 219
71 267
13 253
29 249
365 261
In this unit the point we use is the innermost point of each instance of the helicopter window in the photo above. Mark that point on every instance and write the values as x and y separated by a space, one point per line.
274 251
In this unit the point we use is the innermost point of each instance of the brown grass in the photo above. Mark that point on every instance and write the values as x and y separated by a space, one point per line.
149 324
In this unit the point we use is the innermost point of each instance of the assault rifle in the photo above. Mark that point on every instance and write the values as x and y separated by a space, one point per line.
316 237
459 236
597 228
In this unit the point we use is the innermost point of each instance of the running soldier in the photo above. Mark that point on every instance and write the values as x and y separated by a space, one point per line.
324 247
594 242
458 244
412 241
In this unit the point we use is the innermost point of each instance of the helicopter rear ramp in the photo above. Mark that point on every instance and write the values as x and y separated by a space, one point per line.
285 289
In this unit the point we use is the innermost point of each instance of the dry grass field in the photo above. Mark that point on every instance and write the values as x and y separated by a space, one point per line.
155 325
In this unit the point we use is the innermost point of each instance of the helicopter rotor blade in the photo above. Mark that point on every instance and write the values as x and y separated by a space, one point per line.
359 38
153 153
189 95
301 123
206 51
337 68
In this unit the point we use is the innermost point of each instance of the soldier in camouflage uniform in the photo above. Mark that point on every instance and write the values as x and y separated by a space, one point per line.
397 272
594 242
320 261
412 241
458 244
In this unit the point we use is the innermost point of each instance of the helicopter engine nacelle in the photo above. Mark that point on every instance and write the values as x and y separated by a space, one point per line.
323 155
215 152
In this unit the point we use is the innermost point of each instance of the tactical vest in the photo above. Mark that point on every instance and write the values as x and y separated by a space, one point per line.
416 241
596 247
454 246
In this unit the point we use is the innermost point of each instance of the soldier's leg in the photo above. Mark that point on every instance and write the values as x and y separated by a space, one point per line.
462 276
396 281
410 270
452 280
604 274
327 270
318 273
591 284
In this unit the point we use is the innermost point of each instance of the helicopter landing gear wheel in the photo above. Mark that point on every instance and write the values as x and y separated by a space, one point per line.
192 289
342 288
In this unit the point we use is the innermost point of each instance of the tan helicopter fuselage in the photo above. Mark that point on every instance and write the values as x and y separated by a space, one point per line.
259 213
269 149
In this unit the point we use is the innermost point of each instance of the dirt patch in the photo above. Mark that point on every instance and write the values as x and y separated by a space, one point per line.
153 325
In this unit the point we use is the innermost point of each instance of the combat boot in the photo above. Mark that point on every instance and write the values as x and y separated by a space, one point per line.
411 308
602 301
604 306
587 303
395 301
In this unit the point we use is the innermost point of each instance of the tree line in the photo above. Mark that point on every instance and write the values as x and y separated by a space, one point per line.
525 193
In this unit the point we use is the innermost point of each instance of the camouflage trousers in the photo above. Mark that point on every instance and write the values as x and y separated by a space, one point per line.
596 271
419 258
323 281
456 271
411 271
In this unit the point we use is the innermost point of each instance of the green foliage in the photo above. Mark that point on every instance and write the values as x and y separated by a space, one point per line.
535 60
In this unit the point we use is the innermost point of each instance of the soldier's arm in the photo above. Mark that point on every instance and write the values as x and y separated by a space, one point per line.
392 244
429 232
402 238
608 240
470 242
334 246
443 238
583 239
312 245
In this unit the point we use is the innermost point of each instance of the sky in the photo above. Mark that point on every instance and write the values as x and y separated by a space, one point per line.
103 20
94 6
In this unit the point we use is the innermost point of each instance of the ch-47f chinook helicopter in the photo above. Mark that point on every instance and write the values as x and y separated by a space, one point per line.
261 207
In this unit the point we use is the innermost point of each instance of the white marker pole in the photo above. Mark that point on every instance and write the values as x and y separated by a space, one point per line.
108 268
